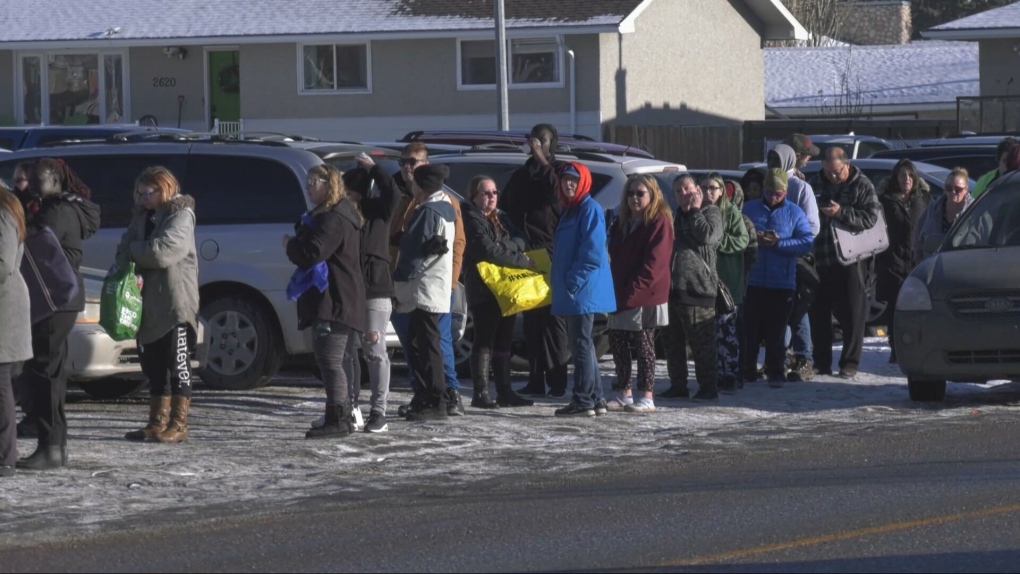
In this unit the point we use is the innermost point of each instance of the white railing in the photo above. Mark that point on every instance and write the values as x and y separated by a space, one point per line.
229 129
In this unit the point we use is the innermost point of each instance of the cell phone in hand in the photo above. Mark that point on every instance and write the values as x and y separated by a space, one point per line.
771 233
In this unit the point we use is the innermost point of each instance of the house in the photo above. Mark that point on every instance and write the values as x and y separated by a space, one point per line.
919 80
376 69
997 33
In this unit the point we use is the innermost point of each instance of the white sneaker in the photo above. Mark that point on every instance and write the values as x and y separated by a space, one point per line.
641 406
619 402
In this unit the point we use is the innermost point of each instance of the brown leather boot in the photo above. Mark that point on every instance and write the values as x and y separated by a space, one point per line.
159 415
177 429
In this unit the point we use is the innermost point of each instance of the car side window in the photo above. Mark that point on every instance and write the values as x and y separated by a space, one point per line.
111 179
237 190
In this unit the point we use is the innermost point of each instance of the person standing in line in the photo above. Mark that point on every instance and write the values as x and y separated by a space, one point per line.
904 196
582 283
15 323
378 211
415 155
492 238
790 157
749 257
697 231
845 195
65 208
730 267
640 246
160 240
29 425
941 213
785 235
329 236
422 282
531 200
1002 151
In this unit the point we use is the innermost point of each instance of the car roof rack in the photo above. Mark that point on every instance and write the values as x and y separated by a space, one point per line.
276 136
418 134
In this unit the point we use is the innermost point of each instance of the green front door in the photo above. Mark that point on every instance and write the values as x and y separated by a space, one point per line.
224 86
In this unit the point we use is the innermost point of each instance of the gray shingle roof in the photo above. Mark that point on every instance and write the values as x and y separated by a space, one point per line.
1004 17
68 20
926 72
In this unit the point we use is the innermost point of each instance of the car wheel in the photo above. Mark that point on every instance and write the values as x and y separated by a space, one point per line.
112 388
926 390
244 352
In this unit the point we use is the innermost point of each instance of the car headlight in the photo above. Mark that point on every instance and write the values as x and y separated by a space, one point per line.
914 296
91 312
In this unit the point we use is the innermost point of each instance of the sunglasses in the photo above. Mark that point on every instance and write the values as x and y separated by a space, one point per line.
713 188
404 161
315 181
638 194
956 189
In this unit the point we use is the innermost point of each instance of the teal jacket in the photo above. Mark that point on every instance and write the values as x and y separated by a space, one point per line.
581 280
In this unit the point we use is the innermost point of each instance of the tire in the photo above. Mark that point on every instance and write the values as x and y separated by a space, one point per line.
112 388
926 390
245 350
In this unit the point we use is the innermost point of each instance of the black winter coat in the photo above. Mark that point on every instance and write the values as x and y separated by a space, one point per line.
485 244
73 220
375 235
529 199
902 216
334 237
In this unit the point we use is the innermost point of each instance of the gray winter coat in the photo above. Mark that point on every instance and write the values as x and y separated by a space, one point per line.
696 238
15 323
168 263
931 225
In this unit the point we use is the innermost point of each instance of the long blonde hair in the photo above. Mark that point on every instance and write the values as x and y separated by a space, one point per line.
656 207
337 192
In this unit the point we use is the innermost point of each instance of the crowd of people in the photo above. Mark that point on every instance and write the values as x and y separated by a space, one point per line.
736 265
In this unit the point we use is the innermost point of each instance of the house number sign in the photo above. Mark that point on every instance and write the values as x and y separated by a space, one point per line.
164 81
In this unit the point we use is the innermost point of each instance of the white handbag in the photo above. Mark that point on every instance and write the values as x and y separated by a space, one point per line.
853 246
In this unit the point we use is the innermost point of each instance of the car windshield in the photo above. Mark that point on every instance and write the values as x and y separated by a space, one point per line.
992 222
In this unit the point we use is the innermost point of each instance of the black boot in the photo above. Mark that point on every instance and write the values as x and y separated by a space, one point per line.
536 382
480 378
676 392
505 395
44 458
337 425
454 403
29 427
556 378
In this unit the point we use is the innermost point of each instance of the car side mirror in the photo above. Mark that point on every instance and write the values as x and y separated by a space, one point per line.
933 242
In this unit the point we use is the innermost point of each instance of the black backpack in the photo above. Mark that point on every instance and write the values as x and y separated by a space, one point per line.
52 282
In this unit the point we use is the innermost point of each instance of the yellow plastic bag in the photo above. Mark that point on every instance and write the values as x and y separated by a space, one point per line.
516 289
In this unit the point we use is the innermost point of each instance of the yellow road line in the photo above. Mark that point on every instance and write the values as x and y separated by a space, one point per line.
860 533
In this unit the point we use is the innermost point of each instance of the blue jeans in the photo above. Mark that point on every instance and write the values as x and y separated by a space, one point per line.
587 380
400 322
800 336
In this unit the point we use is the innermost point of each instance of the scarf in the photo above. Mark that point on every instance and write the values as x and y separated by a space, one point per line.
583 185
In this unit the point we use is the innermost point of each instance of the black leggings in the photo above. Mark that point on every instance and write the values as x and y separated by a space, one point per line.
493 331
167 362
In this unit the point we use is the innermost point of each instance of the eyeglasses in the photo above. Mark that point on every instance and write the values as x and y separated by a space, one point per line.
146 194
713 188
636 193
411 161
315 181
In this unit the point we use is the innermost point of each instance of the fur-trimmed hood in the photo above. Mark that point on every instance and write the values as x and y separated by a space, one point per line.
177 203
922 187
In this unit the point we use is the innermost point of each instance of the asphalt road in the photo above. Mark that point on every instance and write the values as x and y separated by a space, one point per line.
942 498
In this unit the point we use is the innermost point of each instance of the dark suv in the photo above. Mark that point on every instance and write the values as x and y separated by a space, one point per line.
23 137
977 159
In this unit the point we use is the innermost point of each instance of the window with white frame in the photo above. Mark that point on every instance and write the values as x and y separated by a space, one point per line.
532 62
71 88
328 68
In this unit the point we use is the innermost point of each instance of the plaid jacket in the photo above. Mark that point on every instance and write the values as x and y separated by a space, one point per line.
859 208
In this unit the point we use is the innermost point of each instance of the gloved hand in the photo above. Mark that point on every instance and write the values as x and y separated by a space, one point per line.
435 245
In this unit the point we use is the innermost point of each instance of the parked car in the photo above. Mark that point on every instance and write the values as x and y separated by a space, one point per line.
968 139
24 137
609 175
855 146
977 159
105 368
958 312
248 193
568 143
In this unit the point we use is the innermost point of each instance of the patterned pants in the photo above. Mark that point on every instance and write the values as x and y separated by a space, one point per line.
729 345
694 326
644 346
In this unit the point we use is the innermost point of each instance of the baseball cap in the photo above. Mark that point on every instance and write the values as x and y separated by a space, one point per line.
802 145
570 170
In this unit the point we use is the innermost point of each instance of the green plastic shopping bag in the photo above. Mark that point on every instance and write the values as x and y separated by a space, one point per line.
120 305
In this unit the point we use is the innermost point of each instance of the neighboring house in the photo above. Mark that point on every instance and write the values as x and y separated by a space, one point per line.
376 69
917 80
997 33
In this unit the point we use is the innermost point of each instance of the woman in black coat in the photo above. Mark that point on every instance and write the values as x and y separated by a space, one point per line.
329 236
63 205
904 195
491 238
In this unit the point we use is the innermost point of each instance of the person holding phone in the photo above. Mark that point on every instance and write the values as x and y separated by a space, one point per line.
786 234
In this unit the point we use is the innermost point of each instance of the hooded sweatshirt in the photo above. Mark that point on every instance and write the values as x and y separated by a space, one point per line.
799 191
72 219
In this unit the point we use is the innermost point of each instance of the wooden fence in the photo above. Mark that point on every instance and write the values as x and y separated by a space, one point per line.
727 146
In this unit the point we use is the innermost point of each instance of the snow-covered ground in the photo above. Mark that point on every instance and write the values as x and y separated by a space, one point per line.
249 446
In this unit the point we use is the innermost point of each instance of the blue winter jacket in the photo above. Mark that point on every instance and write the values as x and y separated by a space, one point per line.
581 280
776 267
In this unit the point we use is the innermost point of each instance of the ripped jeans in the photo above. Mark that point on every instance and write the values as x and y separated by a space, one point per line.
373 347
